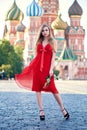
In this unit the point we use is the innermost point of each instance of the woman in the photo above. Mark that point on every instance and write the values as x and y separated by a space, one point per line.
38 76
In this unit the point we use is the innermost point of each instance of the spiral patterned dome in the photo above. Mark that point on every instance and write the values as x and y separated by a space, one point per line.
14 13
34 9
21 27
75 9
59 24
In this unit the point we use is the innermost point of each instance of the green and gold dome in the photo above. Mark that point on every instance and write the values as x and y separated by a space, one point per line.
59 24
14 13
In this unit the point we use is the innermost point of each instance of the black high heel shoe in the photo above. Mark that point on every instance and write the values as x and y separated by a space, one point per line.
42 117
66 116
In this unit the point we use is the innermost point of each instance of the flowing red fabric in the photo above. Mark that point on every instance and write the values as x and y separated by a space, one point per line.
33 77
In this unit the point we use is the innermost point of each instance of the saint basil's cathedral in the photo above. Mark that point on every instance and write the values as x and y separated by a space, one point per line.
70 56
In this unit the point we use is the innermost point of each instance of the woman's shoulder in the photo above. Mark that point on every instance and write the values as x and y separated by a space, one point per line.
39 44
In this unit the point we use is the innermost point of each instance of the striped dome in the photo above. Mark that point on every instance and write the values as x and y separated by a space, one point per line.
34 9
59 24
75 9
14 13
21 27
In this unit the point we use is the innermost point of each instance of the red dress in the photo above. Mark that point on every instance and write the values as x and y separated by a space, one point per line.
33 77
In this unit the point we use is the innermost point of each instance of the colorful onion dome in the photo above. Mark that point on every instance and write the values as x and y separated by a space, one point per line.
14 13
59 24
21 27
34 9
75 9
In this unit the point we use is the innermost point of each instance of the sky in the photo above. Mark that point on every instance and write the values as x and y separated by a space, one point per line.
64 5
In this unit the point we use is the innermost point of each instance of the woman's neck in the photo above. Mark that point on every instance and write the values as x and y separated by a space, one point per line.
45 42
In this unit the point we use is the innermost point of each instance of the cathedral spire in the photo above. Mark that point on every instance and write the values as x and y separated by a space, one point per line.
50 10
50 7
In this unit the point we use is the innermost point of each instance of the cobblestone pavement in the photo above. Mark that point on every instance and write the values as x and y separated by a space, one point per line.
19 109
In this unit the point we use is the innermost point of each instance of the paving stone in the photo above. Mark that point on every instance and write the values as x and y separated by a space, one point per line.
19 111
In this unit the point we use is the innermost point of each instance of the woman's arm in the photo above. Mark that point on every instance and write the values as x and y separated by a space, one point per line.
53 59
52 65
35 51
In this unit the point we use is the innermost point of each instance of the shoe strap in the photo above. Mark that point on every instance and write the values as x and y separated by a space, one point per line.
63 109
41 110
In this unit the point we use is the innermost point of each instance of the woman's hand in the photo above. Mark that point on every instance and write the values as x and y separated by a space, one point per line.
48 78
51 73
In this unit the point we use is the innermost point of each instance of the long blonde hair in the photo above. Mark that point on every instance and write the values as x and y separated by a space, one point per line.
40 37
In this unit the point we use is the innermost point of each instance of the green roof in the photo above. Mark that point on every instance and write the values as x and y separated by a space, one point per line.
59 39
58 54
67 54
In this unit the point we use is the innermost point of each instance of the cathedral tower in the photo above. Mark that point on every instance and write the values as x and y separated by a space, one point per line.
50 10
12 19
34 12
75 32
59 26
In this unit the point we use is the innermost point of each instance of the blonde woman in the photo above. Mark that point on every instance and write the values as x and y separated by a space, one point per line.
38 76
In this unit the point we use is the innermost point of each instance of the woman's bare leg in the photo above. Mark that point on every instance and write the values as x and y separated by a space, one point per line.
39 100
59 101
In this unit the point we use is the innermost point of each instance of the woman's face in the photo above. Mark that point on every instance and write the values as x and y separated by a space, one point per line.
45 31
